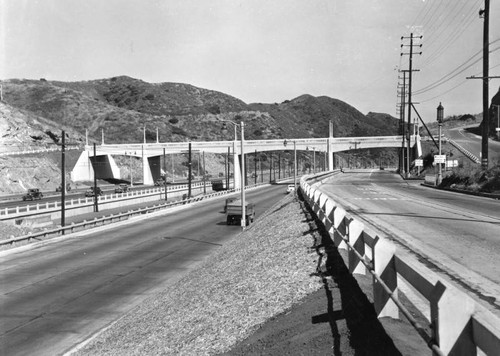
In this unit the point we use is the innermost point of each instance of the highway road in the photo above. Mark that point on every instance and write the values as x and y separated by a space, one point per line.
472 143
457 235
56 295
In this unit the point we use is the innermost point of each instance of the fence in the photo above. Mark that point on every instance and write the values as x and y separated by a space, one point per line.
472 157
40 150
459 325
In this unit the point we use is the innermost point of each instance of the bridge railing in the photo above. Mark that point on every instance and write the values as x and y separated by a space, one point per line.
459 325
39 150
137 148
471 156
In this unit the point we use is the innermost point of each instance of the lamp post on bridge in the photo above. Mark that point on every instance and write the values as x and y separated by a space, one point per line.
242 178
294 165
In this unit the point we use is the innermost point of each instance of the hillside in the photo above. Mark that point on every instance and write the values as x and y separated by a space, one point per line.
34 112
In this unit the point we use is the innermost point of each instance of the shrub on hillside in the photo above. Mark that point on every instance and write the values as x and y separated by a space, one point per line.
214 109
173 120
473 178
179 131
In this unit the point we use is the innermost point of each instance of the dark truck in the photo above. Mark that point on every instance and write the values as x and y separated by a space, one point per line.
234 213
33 194
90 192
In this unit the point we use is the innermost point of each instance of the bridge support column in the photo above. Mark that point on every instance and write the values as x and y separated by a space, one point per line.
103 166
151 169
147 175
83 171
329 148
237 171
330 160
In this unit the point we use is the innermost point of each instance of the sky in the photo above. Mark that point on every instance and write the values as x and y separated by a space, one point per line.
261 50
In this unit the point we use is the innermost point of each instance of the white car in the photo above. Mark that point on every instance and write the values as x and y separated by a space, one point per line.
290 188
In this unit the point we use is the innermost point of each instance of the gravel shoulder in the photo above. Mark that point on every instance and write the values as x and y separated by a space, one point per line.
279 288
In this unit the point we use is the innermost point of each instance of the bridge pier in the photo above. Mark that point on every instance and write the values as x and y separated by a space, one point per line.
102 166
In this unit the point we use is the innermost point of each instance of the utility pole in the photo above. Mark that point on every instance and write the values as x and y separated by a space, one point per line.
402 124
96 198
486 116
497 110
165 172
63 180
189 171
63 145
410 71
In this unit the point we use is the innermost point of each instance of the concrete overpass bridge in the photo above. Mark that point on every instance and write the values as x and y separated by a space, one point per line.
103 165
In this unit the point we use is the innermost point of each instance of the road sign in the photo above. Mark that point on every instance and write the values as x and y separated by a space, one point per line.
419 162
439 158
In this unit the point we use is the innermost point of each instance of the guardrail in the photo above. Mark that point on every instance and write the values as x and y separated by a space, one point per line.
27 210
472 157
40 150
459 325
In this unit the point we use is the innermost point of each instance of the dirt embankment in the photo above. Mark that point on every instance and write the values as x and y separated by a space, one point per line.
279 288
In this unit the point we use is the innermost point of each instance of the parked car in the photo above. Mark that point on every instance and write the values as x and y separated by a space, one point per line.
290 188
159 182
122 188
33 194
90 192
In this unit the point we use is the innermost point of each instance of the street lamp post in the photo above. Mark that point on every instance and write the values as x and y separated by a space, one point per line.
440 111
314 159
242 178
294 165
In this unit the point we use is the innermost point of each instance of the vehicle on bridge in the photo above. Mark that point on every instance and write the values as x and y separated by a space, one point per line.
90 192
122 188
234 213
218 185
290 188
160 182
33 194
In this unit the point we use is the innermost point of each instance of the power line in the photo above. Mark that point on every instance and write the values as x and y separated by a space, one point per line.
450 40
450 22
456 86
445 78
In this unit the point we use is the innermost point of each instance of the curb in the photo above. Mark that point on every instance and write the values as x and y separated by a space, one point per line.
461 191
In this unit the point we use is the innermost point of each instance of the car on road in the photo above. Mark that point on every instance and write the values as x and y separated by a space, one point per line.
160 181
33 194
90 192
122 188
290 188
